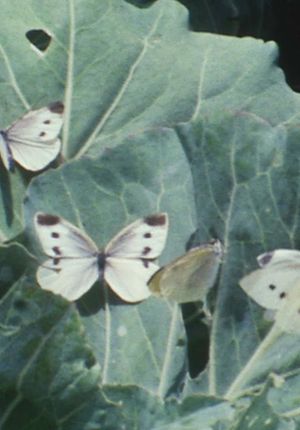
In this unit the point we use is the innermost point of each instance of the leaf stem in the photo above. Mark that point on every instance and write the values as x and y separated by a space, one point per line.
69 81
107 335
248 371
170 345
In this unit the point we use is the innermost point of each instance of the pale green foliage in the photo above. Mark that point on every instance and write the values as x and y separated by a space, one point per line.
201 126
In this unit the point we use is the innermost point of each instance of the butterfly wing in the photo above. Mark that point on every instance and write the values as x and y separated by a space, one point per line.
189 277
287 319
128 277
59 238
69 277
279 256
72 268
129 256
33 139
143 239
270 286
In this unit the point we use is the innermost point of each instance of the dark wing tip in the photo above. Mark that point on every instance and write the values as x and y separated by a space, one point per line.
56 107
156 219
265 258
46 219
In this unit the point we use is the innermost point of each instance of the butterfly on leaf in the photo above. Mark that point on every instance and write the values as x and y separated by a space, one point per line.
276 286
75 263
189 277
269 285
32 141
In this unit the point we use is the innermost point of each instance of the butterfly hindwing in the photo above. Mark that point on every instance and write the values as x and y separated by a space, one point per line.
128 277
69 277
33 139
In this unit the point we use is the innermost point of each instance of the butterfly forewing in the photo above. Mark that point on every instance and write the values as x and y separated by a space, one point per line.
284 257
270 286
61 239
144 238
69 277
42 125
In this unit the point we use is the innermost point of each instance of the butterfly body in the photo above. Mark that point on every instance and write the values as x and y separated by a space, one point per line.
32 141
101 260
75 263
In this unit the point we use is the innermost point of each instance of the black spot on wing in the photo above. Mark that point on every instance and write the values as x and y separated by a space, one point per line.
56 107
147 235
282 295
145 263
46 219
56 250
55 235
272 287
146 250
47 121
42 134
156 219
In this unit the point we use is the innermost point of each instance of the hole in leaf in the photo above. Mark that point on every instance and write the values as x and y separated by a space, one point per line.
40 39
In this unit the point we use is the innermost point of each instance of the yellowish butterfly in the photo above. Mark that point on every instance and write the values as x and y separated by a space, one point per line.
189 277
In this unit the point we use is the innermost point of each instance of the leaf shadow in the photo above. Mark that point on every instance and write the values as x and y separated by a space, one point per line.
6 196
96 297
6 190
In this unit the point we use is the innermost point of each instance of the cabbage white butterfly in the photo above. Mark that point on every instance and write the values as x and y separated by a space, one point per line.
32 140
189 277
287 318
75 262
269 286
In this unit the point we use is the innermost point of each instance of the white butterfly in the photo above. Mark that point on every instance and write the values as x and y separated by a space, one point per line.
269 286
32 140
75 262
189 277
